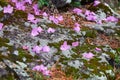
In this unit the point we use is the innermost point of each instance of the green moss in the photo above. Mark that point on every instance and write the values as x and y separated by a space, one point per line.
3 3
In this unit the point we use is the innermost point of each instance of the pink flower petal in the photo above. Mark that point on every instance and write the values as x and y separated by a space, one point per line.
36 31
45 14
74 44
77 11
20 5
96 2
25 47
88 55
64 46
30 17
8 9
77 27
97 49
46 49
1 26
51 30
36 49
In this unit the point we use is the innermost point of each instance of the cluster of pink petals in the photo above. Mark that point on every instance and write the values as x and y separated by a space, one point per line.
56 19
42 69
111 19
96 2
77 11
77 27
38 49
28 1
90 16
65 46
35 31
51 30
20 5
1 26
8 9
88 55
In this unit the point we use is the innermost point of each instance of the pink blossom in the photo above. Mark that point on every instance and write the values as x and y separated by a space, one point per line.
15 1
37 49
46 49
87 12
20 5
59 18
77 27
8 9
111 19
45 14
1 26
77 11
88 55
30 17
64 46
25 47
51 30
36 9
29 1
56 19
36 31
97 49
74 44
91 18
42 69
96 2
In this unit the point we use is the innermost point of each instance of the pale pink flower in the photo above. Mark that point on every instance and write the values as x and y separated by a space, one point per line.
77 27
111 19
30 17
97 49
96 2
45 14
36 31
65 46
25 47
74 44
36 9
88 55
87 12
20 5
14 1
8 9
1 26
46 49
37 49
59 18
51 30
77 11
42 69
29 1
91 18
